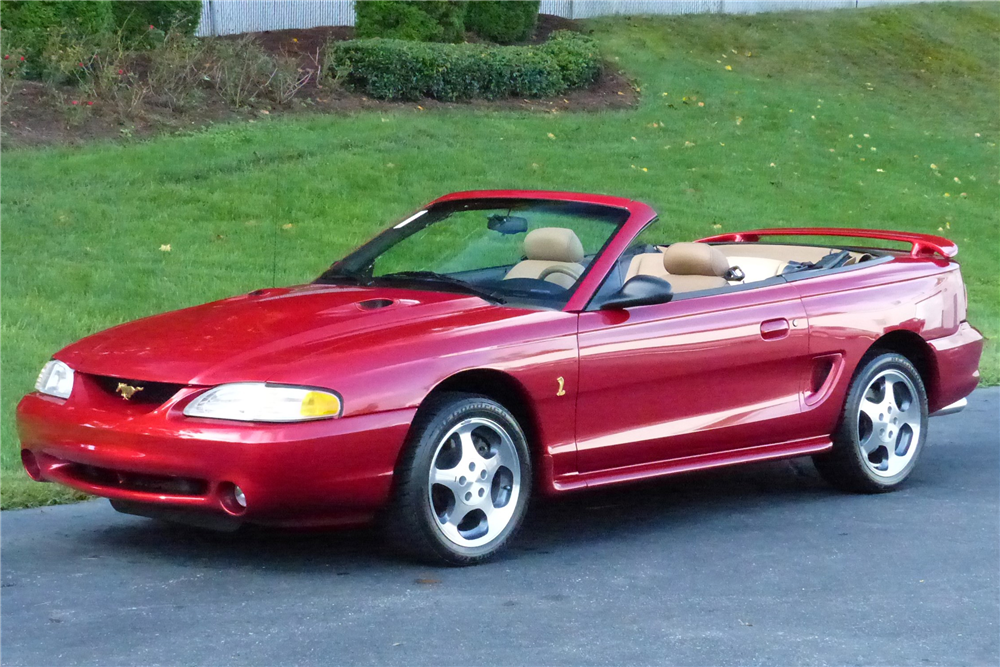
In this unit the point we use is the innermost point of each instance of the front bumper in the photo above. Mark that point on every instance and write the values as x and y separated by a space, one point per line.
304 474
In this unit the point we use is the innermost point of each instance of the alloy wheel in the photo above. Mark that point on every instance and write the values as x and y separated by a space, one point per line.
889 422
474 482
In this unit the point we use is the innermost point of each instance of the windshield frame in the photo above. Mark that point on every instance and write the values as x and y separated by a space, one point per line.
620 215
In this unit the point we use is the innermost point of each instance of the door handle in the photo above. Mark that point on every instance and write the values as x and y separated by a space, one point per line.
774 329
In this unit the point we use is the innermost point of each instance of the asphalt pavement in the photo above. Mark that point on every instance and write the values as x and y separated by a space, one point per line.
756 565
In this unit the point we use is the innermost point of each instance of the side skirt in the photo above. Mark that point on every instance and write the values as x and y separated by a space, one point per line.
783 450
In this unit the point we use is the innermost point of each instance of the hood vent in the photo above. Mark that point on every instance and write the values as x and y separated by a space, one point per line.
374 304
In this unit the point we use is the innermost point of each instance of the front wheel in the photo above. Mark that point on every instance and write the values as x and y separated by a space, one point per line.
463 483
882 428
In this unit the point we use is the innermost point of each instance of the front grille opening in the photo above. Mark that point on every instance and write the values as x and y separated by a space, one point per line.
130 481
149 393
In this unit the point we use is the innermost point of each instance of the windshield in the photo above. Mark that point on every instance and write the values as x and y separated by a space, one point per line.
529 251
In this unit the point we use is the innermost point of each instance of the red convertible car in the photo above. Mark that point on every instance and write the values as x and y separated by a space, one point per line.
500 343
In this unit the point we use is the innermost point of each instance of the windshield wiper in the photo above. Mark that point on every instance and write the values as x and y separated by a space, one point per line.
332 275
432 277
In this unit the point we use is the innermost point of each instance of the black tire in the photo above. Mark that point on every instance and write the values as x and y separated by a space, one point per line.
411 522
846 466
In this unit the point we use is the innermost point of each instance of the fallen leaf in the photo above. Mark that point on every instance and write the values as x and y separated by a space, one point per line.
165 247
551 136
287 225
729 68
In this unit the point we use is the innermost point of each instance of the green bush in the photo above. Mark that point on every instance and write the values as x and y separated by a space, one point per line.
135 18
33 21
401 70
503 21
426 21
576 55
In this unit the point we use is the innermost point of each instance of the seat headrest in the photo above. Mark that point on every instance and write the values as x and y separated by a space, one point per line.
553 244
694 259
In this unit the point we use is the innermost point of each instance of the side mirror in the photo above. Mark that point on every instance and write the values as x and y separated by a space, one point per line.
640 291
507 224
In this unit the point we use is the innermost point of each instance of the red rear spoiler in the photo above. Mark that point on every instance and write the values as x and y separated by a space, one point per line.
923 245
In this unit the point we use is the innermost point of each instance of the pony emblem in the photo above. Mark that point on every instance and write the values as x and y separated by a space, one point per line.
127 391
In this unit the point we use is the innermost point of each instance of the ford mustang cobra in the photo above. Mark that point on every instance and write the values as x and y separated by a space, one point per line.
497 344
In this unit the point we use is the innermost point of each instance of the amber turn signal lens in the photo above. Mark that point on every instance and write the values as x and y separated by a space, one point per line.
320 404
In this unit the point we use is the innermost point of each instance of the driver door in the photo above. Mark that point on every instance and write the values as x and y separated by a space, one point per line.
698 375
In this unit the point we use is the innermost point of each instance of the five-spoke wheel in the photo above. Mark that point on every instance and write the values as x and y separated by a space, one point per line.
474 482
464 481
882 427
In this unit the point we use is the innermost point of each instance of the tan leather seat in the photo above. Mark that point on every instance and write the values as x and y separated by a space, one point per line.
549 247
694 266
647 264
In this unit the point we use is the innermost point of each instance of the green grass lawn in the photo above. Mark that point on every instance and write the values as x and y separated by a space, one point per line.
876 118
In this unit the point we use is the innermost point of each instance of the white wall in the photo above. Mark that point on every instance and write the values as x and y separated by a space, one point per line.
227 17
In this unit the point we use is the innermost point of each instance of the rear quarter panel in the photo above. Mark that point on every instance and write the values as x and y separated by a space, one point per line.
850 310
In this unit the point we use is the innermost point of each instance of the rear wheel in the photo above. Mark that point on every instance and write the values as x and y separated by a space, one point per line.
882 428
463 483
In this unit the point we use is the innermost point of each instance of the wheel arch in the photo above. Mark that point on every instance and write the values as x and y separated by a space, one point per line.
498 386
918 351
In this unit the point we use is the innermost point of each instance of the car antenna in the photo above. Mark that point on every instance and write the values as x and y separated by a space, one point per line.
274 256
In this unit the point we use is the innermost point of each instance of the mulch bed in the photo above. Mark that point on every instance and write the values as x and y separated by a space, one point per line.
31 118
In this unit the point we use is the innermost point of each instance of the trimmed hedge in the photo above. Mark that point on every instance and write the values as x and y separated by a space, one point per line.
32 22
503 21
134 18
576 56
402 70
426 21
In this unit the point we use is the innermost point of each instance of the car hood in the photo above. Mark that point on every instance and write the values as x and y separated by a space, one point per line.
256 336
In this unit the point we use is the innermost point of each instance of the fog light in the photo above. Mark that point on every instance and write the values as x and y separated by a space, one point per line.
232 499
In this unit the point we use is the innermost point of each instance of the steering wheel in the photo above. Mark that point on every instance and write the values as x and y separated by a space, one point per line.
557 268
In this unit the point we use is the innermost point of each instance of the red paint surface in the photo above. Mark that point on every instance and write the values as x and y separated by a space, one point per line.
742 376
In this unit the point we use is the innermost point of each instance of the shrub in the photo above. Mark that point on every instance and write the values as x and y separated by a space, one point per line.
503 21
12 69
576 55
286 79
65 56
175 70
400 70
33 21
426 21
243 72
135 18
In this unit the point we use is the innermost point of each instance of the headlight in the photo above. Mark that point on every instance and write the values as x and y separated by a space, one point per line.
260 402
56 379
